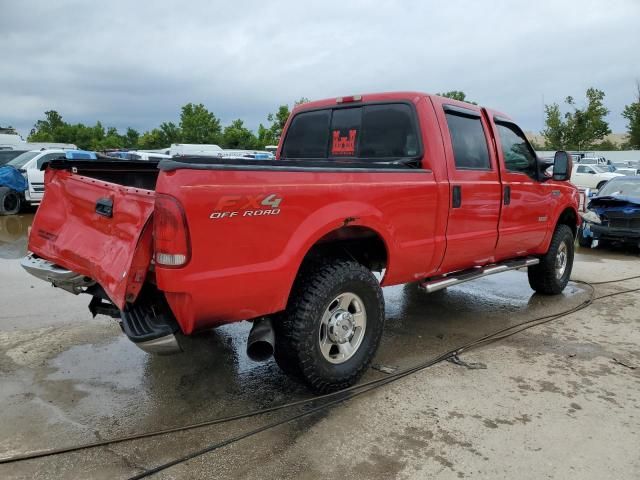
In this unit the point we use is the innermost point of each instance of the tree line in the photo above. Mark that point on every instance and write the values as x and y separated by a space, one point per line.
577 128
196 125
585 128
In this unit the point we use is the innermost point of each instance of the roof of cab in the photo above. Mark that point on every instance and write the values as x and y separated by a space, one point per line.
411 96
366 97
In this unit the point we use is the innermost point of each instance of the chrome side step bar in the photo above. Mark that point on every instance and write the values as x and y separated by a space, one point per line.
448 280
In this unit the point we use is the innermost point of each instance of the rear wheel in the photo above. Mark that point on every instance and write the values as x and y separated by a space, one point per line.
552 274
10 201
333 325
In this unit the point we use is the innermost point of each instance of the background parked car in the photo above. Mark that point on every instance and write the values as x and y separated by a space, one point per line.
591 176
138 155
8 155
14 196
628 171
613 214
29 164
593 161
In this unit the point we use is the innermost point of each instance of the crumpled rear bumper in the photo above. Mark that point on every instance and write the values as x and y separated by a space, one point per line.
58 276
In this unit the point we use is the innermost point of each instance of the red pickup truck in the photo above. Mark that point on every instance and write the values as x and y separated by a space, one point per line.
417 187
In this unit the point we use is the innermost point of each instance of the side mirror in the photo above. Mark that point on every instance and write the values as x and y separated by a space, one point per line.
562 166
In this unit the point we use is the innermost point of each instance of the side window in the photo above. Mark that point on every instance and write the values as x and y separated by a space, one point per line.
583 169
308 135
469 143
518 156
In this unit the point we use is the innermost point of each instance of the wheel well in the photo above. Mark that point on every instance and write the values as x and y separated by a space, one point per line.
356 243
569 218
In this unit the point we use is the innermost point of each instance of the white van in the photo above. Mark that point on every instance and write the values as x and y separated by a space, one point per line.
183 149
13 141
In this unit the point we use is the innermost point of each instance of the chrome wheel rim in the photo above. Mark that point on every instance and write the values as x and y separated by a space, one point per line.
561 260
342 328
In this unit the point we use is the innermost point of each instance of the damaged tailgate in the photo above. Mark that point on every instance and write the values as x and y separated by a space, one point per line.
96 228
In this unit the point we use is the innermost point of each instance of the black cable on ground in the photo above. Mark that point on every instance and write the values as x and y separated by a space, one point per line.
341 396
609 281
494 337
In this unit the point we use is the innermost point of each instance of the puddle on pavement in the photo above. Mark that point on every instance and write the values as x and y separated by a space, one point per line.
14 230
214 377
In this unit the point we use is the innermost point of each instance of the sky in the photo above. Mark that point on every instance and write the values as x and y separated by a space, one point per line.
135 63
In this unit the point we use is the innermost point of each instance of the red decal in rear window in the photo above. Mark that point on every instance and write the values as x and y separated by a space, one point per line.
345 146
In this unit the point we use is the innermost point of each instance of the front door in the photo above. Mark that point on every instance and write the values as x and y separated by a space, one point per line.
527 202
474 186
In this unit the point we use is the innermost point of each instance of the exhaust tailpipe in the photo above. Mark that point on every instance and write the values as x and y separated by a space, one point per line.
262 340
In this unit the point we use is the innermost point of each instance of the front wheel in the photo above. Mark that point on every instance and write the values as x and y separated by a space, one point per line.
552 274
333 325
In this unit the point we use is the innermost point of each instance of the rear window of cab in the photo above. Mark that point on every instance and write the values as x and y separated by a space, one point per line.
378 132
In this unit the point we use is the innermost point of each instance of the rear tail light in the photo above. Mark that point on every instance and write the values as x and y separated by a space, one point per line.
170 233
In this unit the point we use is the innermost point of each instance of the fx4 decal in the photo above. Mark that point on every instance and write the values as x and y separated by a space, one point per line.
230 206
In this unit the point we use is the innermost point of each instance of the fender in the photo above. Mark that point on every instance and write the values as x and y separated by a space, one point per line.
328 219
547 239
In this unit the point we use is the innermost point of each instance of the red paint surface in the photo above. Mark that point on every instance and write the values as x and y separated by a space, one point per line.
243 265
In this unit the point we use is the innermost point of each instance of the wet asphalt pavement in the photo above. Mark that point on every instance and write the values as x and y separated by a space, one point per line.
551 403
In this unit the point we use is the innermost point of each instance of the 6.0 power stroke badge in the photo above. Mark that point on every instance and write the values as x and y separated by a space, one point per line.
230 206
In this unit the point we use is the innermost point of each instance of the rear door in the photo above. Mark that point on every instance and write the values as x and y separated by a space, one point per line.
527 202
474 186
95 228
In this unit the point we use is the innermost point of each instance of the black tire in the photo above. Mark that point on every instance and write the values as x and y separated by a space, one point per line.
583 241
298 334
10 201
283 355
543 277
600 185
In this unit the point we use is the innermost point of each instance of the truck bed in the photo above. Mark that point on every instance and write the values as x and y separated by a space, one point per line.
247 258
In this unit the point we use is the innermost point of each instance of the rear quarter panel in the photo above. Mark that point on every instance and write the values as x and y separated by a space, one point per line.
243 266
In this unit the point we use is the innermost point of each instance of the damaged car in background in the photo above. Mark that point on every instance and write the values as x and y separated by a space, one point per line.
613 215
